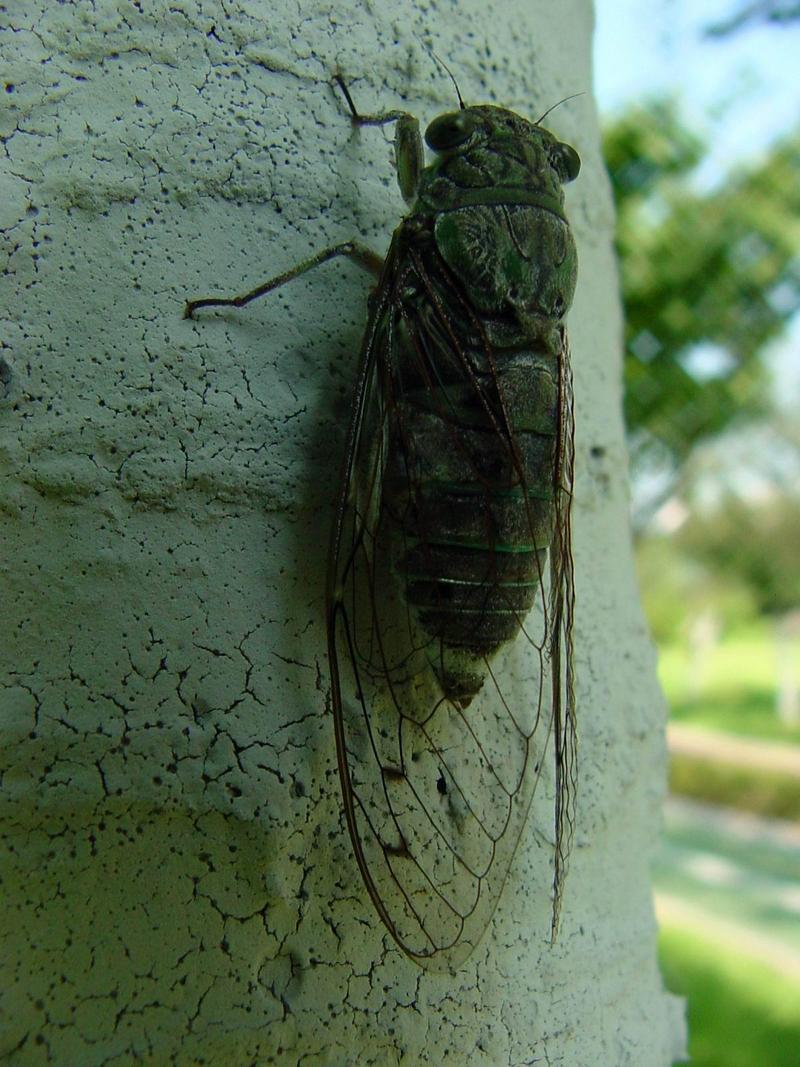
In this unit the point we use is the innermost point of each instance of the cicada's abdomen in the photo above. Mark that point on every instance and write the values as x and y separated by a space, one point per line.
474 513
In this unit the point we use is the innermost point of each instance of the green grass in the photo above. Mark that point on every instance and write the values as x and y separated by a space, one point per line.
741 1013
732 689
747 788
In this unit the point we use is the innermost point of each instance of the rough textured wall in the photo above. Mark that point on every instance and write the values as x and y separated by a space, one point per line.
178 883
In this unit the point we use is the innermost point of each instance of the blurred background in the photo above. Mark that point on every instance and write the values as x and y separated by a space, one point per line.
700 101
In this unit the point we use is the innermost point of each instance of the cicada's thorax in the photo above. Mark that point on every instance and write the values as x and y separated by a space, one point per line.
488 273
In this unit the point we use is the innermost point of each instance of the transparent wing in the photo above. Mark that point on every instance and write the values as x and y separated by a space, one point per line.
562 594
436 788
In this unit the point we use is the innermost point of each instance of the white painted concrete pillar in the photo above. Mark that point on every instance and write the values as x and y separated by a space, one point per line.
178 883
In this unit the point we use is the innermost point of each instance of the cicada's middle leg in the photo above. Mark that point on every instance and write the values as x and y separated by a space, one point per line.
364 256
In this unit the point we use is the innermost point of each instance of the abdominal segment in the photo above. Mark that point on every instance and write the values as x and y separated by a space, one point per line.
469 492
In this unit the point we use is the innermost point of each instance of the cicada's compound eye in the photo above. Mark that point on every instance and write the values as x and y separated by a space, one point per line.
449 131
565 161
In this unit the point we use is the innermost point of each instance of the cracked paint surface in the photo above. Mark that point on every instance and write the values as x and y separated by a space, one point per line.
178 884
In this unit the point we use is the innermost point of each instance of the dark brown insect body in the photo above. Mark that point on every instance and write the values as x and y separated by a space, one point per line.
453 523
477 455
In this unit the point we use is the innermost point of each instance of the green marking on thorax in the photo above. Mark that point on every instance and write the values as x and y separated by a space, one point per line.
502 196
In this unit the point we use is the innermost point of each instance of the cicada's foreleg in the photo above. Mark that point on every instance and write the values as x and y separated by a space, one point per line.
362 255
409 156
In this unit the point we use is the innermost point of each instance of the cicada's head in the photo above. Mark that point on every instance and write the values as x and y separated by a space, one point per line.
485 146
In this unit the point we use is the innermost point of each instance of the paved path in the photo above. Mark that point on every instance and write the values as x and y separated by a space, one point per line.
744 826
729 876
725 748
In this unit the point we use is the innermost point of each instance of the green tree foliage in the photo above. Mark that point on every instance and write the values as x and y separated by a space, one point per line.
772 12
754 541
678 587
712 271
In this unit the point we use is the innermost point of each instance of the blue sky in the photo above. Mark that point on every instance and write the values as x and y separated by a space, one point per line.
741 92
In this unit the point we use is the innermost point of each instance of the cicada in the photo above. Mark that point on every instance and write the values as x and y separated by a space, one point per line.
450 582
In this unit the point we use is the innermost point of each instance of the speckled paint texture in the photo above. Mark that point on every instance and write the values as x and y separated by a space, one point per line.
178 885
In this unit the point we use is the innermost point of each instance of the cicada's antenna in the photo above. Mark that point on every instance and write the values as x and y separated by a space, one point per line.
560 102
449 72
452 78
